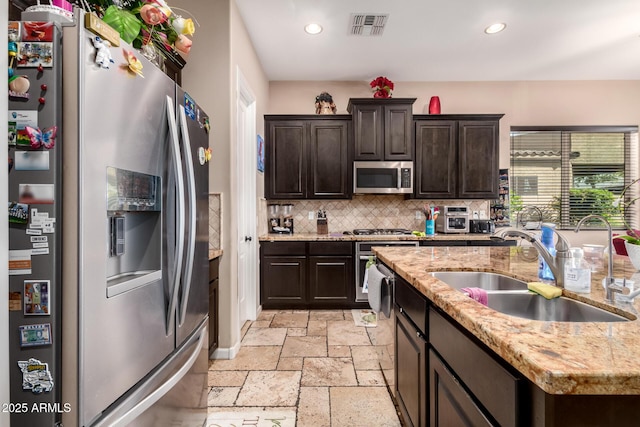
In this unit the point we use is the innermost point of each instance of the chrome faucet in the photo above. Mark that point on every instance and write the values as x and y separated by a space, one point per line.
557 263
610 285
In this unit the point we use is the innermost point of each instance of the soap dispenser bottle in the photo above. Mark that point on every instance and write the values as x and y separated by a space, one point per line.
577 273
544 272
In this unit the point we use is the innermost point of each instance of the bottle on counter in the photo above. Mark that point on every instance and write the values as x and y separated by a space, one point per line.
544 272
577 272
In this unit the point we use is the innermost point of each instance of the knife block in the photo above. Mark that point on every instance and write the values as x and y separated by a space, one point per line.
322 226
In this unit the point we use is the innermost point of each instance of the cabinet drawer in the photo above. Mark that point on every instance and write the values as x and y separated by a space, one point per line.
413 303
330 248
450 404
492 385
283 248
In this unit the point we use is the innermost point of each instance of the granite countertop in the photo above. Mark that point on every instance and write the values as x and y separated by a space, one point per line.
347 237
214 253
559 357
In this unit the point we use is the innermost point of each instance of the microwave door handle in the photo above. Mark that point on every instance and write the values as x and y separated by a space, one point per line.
399 182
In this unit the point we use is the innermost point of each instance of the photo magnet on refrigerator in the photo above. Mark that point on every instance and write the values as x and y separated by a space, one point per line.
33 335
36 297
189 107
35 376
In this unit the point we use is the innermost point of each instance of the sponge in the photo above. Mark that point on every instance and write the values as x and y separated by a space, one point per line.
547 291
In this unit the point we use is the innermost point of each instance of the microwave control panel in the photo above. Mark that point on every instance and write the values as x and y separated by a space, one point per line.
405 178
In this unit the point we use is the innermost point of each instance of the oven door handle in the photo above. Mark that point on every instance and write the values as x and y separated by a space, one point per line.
365 257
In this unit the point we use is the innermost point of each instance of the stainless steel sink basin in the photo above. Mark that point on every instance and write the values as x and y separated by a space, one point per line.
480 279
535 307
510 296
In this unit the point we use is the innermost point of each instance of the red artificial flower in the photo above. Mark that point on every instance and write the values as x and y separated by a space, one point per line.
383 87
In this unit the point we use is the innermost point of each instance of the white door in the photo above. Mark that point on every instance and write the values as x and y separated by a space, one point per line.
246 181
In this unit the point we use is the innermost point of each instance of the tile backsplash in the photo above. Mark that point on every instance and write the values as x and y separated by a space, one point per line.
215 219
365 211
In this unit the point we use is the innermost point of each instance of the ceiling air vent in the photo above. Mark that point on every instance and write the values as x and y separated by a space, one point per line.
367 24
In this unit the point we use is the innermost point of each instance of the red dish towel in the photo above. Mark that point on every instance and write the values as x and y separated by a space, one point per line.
477 294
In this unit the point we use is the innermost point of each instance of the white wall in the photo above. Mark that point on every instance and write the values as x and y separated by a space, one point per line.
220 46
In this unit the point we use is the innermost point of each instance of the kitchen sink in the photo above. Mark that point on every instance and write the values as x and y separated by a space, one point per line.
535 307
511 296
480 279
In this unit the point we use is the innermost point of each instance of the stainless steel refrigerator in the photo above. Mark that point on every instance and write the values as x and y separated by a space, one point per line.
131 195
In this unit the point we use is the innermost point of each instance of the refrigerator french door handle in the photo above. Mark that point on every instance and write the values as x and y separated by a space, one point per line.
191 238
180 215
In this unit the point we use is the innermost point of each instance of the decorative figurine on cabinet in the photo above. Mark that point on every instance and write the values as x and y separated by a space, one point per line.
324 104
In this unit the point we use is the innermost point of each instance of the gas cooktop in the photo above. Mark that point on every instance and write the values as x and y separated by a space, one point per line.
378 231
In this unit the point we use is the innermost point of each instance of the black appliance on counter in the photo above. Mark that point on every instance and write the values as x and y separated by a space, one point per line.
482 226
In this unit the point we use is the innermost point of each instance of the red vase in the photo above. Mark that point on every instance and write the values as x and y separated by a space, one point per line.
381 93
434 105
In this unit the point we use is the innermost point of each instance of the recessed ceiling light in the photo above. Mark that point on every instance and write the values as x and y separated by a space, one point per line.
495 28
313 28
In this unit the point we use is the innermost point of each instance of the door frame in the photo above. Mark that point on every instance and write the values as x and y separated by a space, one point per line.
246 152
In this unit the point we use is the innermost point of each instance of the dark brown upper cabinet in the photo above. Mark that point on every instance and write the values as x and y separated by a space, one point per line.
308 157
382 128
457 156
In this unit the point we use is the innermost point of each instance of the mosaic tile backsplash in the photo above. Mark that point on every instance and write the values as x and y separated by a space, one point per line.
215 219
365 211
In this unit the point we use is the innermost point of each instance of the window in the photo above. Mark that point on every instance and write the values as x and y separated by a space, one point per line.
571 172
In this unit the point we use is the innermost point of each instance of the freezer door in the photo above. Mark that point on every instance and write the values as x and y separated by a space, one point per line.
124 249
193 303
175 395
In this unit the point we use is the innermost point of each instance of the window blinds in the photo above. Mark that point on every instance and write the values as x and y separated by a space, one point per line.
571 172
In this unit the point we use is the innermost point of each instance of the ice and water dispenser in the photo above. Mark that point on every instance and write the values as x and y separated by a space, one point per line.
134 212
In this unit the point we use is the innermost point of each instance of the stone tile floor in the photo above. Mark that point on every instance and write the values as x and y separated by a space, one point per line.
316 362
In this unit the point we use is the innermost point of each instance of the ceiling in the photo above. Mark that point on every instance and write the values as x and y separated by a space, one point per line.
435 40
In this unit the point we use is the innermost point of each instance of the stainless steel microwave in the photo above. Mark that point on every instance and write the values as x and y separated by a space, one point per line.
382 177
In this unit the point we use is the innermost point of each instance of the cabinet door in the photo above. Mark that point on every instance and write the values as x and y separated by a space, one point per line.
436 159
285 160
478 153
398 136
331 282
450 404
411 372
213 303
213 315
329 166
283 281
368 126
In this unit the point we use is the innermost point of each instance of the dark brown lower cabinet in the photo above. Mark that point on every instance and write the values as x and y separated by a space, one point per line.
214 286
330 283
307 275
411 371
283 281
446 377
450 404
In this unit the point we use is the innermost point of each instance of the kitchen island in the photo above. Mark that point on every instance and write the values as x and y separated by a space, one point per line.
569 373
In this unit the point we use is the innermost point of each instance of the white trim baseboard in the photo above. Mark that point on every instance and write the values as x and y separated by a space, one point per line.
226 353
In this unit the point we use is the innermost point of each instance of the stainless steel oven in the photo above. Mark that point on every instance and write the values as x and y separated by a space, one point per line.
363 252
